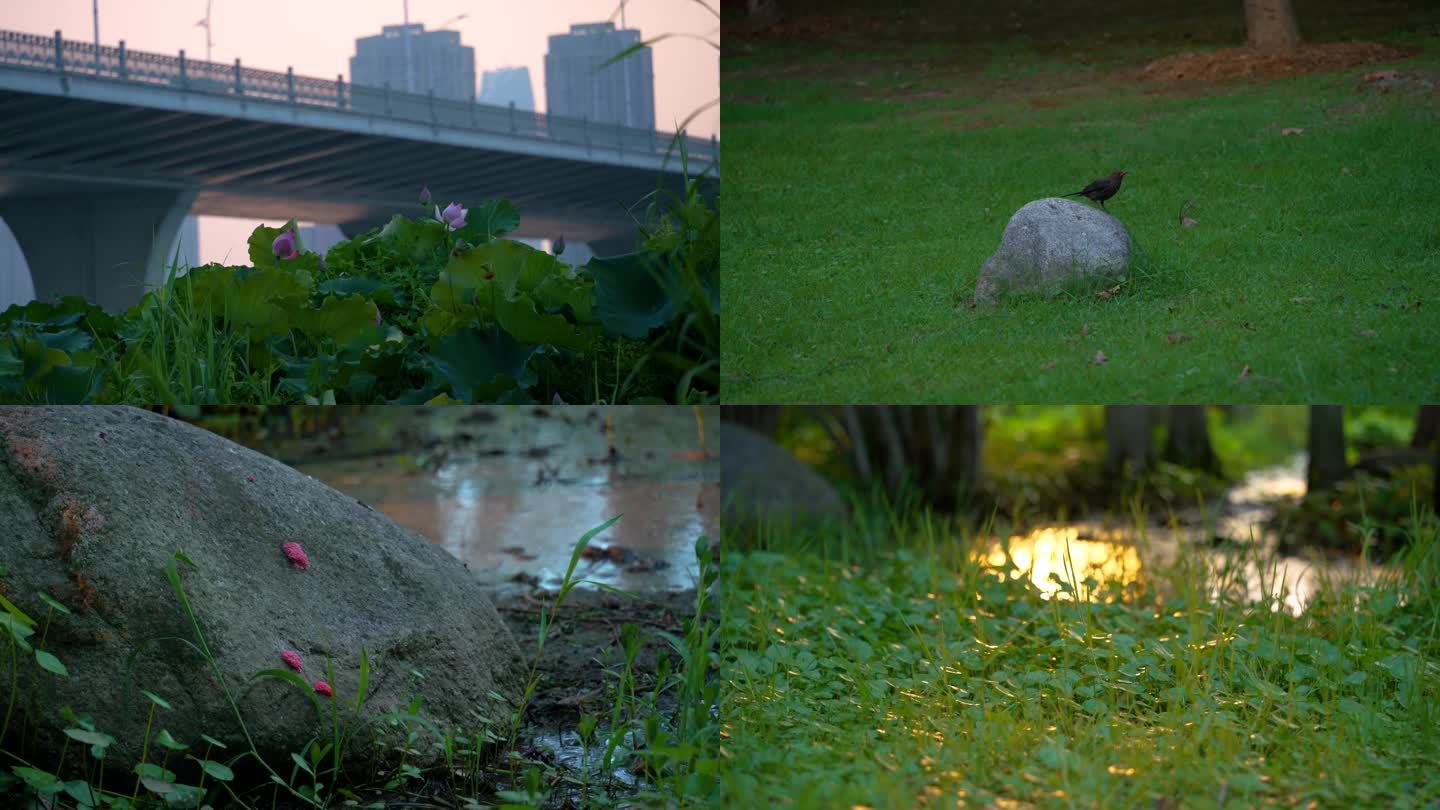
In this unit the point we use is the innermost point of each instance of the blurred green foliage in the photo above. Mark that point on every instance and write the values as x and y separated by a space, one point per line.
1049 459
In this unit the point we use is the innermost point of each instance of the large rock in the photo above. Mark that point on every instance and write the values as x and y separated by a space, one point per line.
759 480
95 500
1052 245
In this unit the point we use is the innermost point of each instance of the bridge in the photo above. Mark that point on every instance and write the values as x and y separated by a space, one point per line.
104 151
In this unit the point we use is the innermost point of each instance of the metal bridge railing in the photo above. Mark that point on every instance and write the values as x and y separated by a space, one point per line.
74 58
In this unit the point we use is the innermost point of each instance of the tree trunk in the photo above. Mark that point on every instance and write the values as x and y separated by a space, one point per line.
763 11
1270 25
1327 448
1187 440
936 446
1427 426
1127 437
762 419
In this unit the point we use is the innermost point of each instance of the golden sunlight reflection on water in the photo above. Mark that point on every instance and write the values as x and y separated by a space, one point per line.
1056 556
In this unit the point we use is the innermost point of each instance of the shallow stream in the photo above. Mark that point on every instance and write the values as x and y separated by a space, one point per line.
509 491
1238 554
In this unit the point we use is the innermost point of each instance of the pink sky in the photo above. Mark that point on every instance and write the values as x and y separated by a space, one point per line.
317 38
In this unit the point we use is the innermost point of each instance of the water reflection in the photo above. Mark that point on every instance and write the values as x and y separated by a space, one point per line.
1058 559
514 497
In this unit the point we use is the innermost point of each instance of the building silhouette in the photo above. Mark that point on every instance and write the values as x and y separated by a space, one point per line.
577 86
506 86
437 62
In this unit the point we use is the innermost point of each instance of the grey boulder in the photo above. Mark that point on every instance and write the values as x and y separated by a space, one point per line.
94 501
1055 244
761 481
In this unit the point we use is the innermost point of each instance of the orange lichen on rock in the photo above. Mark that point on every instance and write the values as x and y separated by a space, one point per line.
33 461
75 522
83 593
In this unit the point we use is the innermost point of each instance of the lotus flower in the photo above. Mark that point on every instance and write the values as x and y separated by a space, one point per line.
323 688
284 245
424 195
559 245
296 555
377 316
453 216
292 660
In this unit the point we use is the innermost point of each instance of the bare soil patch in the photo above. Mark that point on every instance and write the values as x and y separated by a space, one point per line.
1250 63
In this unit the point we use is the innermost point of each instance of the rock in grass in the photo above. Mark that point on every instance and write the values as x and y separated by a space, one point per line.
759 480
95 500
1052 245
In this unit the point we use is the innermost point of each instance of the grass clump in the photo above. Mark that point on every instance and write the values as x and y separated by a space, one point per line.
896 670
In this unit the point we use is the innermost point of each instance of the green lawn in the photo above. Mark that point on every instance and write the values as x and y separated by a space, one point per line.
913 677
872 175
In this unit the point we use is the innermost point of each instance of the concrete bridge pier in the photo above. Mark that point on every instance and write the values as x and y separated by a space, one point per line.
108 247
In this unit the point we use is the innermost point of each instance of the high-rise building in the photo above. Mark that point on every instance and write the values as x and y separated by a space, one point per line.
576 85
437 62
508 85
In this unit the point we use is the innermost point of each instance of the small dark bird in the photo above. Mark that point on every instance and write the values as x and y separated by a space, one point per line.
1102 189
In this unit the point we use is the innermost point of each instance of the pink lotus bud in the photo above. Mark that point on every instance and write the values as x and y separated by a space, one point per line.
292 660
453 216
250 477
296 555
323 688
284 245
559 245
424 195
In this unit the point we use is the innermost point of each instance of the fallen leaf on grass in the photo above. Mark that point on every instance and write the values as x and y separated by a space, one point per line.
1185 221
1100 359
1381 75
1048 365
1085 330
1110 293
1245 374
1302 299
1176 337
1292 131
1345 170
1248 326
1368 333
